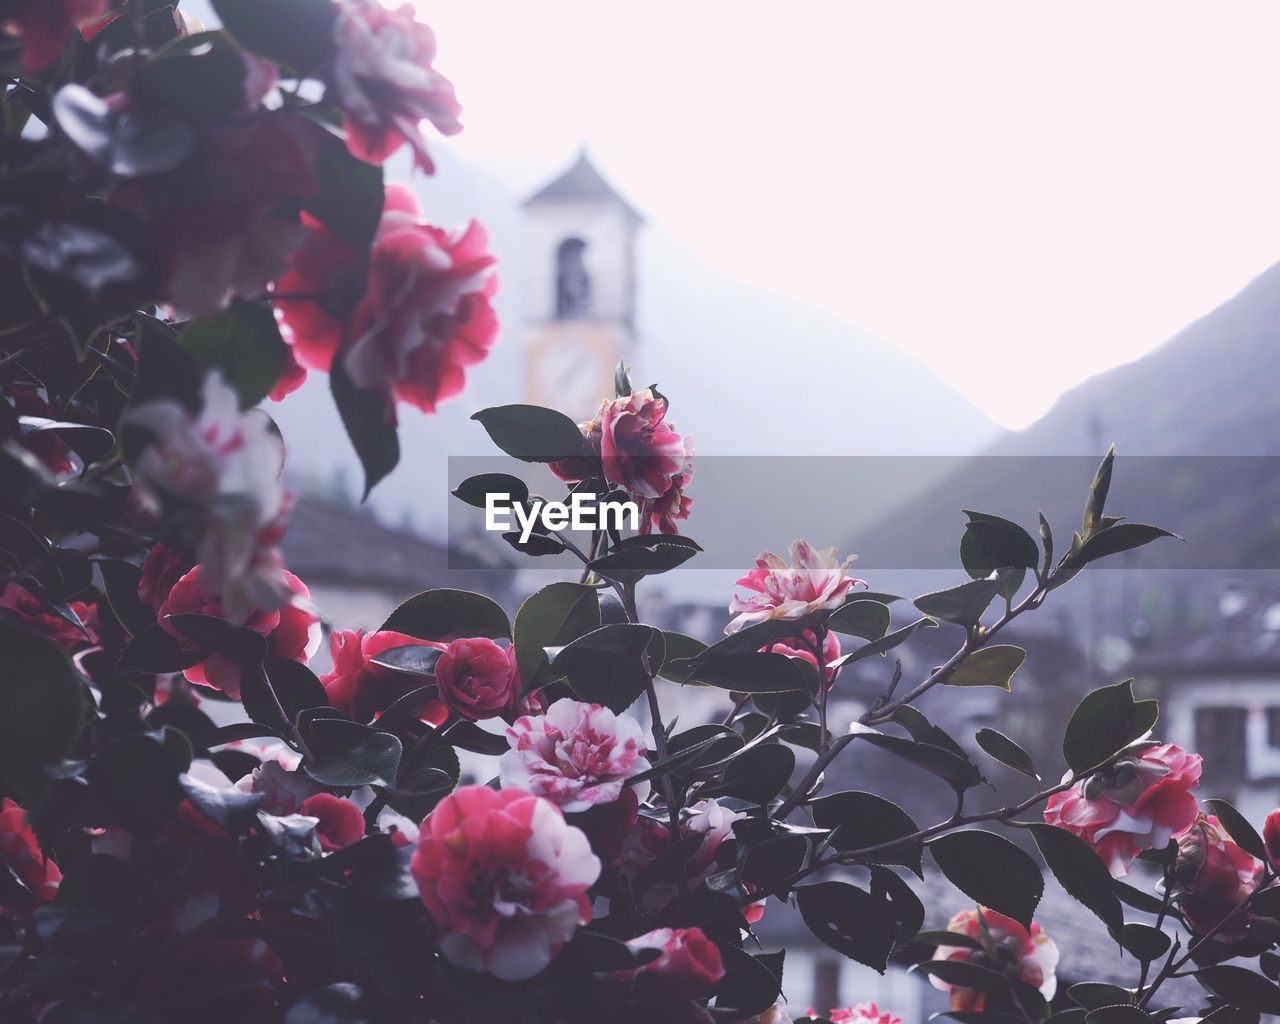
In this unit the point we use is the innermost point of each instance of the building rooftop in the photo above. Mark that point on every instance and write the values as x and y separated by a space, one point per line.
582 182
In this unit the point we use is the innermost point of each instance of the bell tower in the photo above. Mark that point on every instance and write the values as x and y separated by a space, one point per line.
580 289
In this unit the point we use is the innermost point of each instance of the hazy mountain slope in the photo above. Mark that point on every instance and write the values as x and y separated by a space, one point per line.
1203 410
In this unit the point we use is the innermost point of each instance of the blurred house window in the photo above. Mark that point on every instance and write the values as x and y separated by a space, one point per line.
573 283
1221 740
1273 726
826 982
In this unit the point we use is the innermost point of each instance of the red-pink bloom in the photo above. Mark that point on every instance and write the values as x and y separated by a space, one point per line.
361 689
1271 837
318 293
802 648
426 314
385 83
1007 948
815 580
577 755
21 851
28 608
161 570
292 632
863 1013
641 451
1214 877
662 513
475 678
688 966
1139 803
340 822
44 26
504 878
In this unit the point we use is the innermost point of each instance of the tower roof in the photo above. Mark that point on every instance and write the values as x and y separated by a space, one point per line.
582 182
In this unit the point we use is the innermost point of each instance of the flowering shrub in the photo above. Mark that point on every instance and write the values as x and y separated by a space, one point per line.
192 221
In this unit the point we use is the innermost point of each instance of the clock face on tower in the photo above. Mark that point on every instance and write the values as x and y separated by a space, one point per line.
569 365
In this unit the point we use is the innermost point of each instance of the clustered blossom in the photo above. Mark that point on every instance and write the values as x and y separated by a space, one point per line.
576 755
1007 948
815 580
634 446
409 324
1214 877
385 82
1139 803
225 466
292 631
477 679
504 878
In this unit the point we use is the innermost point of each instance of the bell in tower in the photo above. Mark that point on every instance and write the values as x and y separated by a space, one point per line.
580 292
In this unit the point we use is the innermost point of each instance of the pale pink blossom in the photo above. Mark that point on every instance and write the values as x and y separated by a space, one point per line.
385 83
226 465
283 791
1139 803
863 1013
577 755
815 580
505 879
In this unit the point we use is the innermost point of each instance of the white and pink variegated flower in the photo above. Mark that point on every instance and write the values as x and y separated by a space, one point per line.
1139 803
641 451
505 879
1007 948
227 464
577 755
385 82
815 580
283 791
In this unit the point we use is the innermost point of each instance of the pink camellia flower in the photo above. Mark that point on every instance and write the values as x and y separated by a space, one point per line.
664 512
576 755
802 648
688 966
426 314
339 822
1007 948
475 678
161 570
318 293
863 1013
814 581
20 850
640 450
1214 876
1271 837
385 82
292 377
361 689
20 602
1139 803
292 632
44 26
504 878
227 464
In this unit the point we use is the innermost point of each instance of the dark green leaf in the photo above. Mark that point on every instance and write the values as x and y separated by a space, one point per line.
864 820
1104 723
137 779
960 773
992 543
752 983
366 417
1239 829
861 618
531 433
243 343
413 659
886 643
753 672
120 581
1080 871
445 615
610 665
963 974
1242 987
962 605
295 33
1092 994
990 870
1120 1014
1145 942
41 704
475 490
757 774
1004 750
555 616
849 920
347 754
1114 539
644 556
1096 502
349 199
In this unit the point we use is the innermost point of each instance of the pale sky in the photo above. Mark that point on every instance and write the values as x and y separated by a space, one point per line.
1020 194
